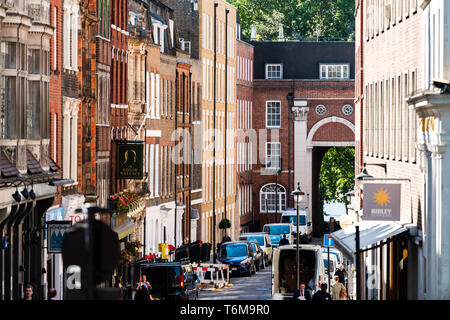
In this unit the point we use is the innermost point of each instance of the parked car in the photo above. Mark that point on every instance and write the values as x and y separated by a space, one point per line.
169 280
258 254
264 242
239 256
280 229
284 266
305 222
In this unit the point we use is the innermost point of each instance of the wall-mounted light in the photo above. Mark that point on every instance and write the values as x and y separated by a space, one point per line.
25 193
17 196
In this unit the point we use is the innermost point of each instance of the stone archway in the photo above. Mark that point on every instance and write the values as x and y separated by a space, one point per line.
323 135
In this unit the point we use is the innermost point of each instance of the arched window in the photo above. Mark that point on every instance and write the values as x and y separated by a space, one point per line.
274 196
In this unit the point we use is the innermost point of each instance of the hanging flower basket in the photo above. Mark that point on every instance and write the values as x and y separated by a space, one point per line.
131 250
125 201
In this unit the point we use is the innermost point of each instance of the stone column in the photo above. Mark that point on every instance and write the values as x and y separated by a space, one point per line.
301 153
74 140
433 141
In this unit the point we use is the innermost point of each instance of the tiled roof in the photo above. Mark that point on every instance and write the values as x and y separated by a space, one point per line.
53 166
33 165
7 168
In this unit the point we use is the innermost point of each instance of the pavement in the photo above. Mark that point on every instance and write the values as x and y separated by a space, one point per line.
256 287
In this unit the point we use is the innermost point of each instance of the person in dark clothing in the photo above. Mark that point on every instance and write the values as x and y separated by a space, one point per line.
284 241
142 294
51 294
341 273
322 295
29 292
226 238
303 293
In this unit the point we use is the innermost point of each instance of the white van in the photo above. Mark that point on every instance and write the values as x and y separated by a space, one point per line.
284 270
279 229
305 225
334 261
264 242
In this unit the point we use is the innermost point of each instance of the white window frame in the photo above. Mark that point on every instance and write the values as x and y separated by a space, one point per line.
339 65
271 155
274 65
267 120
281 205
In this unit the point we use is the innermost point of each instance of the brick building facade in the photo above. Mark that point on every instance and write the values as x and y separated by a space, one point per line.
386 139
187 26
28 173
293 138
219 95
244 123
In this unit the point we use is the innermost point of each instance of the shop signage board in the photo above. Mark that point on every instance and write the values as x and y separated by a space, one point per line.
130 161
381 202
56 232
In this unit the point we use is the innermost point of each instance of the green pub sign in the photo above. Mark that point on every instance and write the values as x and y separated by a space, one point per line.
129 161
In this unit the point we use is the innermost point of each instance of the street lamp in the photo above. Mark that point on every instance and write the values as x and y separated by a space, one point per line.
298 195
349 196
363 175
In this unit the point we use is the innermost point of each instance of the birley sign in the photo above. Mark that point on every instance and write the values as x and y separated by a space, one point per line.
381 202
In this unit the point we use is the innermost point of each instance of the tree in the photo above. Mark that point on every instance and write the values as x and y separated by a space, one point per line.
319 19
224 224
337 174
337 177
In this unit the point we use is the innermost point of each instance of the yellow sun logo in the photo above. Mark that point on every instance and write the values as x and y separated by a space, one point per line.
382 197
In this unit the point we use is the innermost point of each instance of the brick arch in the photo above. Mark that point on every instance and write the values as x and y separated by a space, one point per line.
333 129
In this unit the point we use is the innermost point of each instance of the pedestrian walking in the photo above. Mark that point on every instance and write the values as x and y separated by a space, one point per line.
117 282
144 284
341 273
51 295
226 238
322 294
284 241
338 291
29 292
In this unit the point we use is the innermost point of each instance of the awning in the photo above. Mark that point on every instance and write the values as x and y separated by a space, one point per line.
370 232
125 229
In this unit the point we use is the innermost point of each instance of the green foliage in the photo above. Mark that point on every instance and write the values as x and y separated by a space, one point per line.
225 224
318 19
337 174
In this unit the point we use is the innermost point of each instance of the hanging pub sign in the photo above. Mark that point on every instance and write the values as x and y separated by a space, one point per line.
56 232
381 202
129 161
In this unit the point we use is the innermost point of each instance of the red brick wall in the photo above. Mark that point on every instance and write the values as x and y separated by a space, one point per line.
334 132
333 94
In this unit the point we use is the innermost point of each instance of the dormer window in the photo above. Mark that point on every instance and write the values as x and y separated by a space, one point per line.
334 71
274 71
158 33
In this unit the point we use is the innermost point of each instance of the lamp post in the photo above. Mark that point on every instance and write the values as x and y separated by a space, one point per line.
298 194
290 99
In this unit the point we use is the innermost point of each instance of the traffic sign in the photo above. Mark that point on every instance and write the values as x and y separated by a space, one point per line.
328 241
